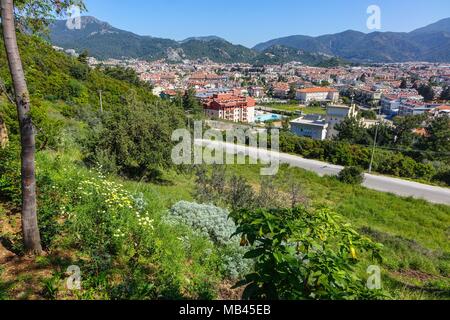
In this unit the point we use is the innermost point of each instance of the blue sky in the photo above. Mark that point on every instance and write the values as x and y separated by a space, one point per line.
249 22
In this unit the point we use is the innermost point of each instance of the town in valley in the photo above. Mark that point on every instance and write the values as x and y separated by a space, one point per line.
312 100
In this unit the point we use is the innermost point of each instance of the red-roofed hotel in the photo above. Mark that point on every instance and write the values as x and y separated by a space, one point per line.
227 106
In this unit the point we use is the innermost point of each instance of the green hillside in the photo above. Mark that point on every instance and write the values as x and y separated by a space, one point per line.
281 54
111 202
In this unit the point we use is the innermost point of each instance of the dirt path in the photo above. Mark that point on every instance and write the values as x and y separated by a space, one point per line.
21 277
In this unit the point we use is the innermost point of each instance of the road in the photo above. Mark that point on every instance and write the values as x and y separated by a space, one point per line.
396 186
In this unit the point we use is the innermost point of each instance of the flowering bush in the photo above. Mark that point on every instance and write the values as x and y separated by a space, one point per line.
117 237
109 220
215 224
126 243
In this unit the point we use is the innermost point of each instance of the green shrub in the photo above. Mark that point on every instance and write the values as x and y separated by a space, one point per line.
136 286
400 164
48 127
79 71
209 221
215 224
303 254
10 189
57 187
123 137
424 171
351 175
443 176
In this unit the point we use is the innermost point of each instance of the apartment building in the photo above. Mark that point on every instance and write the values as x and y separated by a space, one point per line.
281 90
230 107
256 92
317 94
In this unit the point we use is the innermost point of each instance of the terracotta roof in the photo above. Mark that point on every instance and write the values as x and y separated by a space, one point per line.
228 100
421 132
316 90
170 92
281 86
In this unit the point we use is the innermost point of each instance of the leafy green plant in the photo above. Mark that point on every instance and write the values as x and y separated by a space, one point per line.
3 288
351 175
51 287
10 174
303 254
136 286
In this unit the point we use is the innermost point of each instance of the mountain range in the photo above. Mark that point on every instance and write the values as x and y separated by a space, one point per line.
103 41
431 43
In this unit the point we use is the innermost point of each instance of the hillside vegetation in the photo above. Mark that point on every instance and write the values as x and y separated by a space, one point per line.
111 202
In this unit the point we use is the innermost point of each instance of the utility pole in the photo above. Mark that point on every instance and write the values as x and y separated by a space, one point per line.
375 142
101 100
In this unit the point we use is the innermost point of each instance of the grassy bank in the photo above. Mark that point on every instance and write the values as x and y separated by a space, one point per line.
414 232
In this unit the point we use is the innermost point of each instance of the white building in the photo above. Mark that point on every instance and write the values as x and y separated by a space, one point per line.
317 94
157 90
311 126
391 103
336 114
256 92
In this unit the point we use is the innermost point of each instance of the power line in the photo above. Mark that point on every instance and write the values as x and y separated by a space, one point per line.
375 141
101 100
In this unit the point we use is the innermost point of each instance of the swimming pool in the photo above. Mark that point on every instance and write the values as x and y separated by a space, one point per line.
268 117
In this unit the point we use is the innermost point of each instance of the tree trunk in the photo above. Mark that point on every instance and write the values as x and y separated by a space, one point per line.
3 134
31 236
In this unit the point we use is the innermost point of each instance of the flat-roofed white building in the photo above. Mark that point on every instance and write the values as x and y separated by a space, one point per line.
336 114
311 126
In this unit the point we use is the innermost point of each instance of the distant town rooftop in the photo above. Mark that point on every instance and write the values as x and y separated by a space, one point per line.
317 90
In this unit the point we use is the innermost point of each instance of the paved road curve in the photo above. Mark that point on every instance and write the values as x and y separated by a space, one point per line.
380 183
